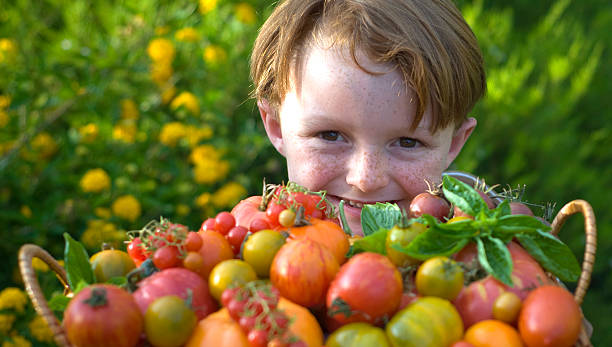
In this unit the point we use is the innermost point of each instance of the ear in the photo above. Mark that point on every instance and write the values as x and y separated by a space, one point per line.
460 136
271 122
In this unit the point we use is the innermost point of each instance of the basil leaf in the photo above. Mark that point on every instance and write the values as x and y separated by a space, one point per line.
520 223
379 215
460 229
503 209
76 261
374 242
495 258
430 244
552 254
58 302
463 196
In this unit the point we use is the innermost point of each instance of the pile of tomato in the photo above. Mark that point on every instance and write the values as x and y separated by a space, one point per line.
274 272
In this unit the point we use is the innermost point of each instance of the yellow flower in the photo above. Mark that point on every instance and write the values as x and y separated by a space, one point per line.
214 55
187 35
95 181
6 322
203 153
210 171
39 265
161 72
171 133
167 94
129 110
245 13
5 101
26 211
182 209
195 135
207 5
16 341
99 232
203 200
102 212
8 49
125 131
163 30
13 298
161 50
126 207
44 145
4 119
228 195
89 132
40 329
188 100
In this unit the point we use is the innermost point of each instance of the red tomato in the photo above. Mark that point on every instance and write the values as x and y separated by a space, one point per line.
209 224
520 208
302 271
224 221
176 281
103 315
427 203
166 257
136 251
236 236
247 210
193 242
369 285
550 317
259 224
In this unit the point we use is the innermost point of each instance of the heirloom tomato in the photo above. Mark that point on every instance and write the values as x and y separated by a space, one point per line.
176 281
550 317
111 263
368 288
229 273
428 322
507 307
492 333
215 248
358 335
260 248
325 232
169 322
247 210
431 204
402 236
103 315
302 271
441 277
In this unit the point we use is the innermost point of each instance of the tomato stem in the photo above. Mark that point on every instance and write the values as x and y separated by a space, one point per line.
97 298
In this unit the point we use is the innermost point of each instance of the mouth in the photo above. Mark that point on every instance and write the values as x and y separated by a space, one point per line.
358 204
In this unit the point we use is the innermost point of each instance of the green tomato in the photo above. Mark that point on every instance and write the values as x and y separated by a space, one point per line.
428 322
441 277
111 263
169 322
358 335
260 248
402 237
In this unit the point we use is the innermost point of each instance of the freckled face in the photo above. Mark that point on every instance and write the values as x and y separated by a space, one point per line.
348 132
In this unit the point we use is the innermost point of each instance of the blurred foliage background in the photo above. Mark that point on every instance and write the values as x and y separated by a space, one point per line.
113 113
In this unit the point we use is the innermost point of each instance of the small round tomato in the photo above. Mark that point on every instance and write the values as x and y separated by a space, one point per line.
236 236
506 307
286 218
111 263
357 334
208 224
193 242
260 248
224 221
136 251
166 257
193 261
258 224
169 322
273 211
402 237
492 333
441 277
228 273
258 338
550 317
431 204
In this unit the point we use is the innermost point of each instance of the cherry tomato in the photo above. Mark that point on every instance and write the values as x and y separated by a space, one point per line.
493 333
236 307
427 203
358 334
209 224
273 211
166 257
402 237
136 251
441 277
286 218
228 273
506 307
193 242
169 322
111 263
236 236
258 224
224 221
260 248
193 261
258 338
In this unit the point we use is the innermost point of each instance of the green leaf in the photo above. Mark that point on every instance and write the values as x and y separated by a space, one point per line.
76 261
552 254
520 223
495 258
503 209
374 242
463 196
431 244
379 216
119 281
460 229
58 302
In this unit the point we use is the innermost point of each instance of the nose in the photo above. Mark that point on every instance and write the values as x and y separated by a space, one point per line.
367 170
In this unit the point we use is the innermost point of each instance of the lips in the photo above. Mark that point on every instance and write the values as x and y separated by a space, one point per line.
357 204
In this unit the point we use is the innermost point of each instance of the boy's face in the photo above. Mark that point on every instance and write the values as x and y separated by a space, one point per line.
348 132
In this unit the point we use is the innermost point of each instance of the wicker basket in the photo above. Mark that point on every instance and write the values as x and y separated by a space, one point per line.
29 251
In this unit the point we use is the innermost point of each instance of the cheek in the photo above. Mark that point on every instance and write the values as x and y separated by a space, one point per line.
311 169
414 176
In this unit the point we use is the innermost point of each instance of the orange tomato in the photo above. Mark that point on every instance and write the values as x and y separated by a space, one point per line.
220 330
493 333
215 248
325 232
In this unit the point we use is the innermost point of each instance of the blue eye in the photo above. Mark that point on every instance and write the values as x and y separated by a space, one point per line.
329 135
406 142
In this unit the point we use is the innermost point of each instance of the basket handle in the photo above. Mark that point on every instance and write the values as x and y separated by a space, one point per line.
590 229
26 253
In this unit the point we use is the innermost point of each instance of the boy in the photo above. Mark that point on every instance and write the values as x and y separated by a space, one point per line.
367 99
